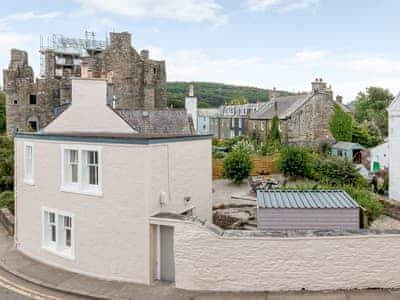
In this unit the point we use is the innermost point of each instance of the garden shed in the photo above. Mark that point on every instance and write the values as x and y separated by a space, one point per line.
349 151
306 210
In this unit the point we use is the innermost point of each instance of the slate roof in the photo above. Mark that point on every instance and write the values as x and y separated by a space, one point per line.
287 105
158 122
305 199
347 146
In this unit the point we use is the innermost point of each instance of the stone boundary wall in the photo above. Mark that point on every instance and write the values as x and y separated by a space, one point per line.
8 220
210 259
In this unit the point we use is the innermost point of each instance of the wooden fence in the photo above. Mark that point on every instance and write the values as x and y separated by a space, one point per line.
261 165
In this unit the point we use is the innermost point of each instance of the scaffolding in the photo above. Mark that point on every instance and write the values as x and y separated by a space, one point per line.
76 47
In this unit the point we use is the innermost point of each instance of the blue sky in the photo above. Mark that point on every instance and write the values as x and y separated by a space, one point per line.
351 44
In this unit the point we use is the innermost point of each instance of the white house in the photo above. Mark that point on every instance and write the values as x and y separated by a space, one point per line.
87 185
394 149
379 157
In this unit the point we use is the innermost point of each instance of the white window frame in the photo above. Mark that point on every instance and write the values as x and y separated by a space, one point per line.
81 187
29 180
58 247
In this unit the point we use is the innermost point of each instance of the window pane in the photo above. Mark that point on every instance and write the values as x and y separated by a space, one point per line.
68 238
93 175
53 233
74 175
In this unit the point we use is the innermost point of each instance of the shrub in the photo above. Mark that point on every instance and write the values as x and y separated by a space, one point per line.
6 164
365 199
295 161
245 146
334 171
7 200
216 154
237 165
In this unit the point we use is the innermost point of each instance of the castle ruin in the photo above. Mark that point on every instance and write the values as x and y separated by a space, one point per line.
134 80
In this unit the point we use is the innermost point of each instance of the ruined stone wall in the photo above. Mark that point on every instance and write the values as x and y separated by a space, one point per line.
137 82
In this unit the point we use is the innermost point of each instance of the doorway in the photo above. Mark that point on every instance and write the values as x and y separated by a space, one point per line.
166 258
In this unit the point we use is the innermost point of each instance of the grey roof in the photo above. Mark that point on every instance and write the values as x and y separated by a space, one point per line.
287 105
158 122
347 146
395 105
305 199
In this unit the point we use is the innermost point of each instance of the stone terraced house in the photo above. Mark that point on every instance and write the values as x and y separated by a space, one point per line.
303 118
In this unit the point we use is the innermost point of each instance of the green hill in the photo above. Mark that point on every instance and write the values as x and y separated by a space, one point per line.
212 94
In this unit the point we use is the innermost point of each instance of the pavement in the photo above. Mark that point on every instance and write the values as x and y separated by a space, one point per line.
25 278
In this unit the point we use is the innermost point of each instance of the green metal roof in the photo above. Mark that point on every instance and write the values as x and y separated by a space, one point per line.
305 199
348 146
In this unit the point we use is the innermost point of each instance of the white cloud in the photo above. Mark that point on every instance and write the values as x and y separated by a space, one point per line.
182 10
372 65
281 5
6 21
10 40
309 56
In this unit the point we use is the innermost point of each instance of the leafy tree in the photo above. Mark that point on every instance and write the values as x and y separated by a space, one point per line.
295 161
238 100
238 165
371 107
6 164
273 141
364 135
2 112
340 125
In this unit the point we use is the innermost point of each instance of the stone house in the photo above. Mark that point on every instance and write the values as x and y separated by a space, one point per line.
394 147
303 118
134 80
379 158
86 187
232 120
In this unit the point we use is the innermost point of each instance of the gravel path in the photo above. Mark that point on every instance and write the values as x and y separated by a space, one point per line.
385 222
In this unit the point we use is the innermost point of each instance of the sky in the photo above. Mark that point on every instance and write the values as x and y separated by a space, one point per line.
351 44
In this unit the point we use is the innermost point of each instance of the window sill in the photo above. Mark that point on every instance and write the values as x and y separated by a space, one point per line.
64 254
29 182
75 190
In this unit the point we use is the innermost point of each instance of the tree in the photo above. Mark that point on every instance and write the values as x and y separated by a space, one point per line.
239 100
6 164
371 107
2 112
340 125
273 140
238 165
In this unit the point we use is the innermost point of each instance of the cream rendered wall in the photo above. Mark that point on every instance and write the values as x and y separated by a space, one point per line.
394 149
88 111
206 261
188 167
112 231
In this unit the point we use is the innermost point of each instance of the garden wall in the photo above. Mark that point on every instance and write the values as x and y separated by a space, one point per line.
209 259
262 165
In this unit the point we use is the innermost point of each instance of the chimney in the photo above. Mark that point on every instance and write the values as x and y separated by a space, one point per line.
272 93
318 85
88 93
145 54
339 99
191 89
84 70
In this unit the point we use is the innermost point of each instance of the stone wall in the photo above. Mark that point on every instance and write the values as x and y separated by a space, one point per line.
253 261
